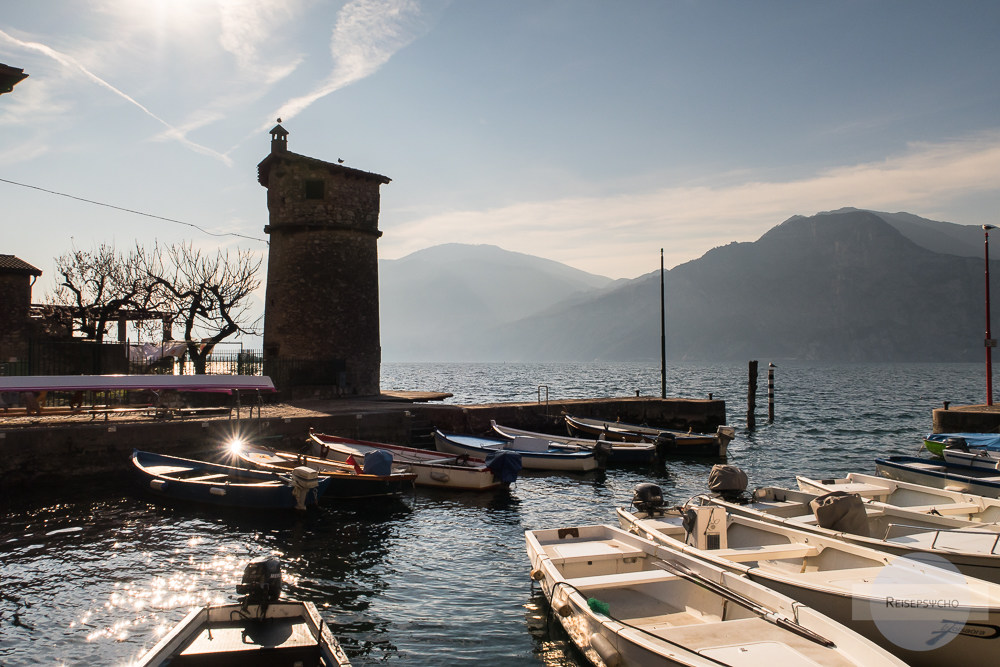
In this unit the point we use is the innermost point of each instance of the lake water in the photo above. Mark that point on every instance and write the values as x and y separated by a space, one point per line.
95 575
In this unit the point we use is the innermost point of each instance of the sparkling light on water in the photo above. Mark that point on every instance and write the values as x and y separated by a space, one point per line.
97 575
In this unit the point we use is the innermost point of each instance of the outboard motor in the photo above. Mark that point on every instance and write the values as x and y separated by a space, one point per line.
261 581
729 482
956 443
504 464
304 483
602 451
648 498
666 443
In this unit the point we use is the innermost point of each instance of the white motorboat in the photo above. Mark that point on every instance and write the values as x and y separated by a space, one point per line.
625 600
618 452
910 496
863 588
971 547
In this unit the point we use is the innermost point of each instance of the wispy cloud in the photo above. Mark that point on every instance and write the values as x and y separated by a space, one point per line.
367 34
620 236
73 65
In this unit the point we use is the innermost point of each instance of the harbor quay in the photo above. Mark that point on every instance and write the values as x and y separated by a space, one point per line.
48 449
966 419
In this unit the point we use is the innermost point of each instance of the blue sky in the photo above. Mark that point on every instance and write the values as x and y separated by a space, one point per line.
590 133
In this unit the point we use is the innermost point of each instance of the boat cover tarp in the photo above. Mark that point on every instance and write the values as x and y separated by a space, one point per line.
216 383
378 462
988 441
727 479
504 464
841 511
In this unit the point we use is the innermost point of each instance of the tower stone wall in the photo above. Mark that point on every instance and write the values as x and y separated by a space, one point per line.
321 305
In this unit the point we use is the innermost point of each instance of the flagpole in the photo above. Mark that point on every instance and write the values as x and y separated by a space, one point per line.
663 335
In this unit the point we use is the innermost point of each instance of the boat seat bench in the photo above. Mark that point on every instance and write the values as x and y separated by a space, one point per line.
767 552
206 478
946 508
590 551
621 579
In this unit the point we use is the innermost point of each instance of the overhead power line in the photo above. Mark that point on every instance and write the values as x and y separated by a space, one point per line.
129 210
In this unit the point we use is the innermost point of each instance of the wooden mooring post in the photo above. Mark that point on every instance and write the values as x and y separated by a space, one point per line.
752 396
770 393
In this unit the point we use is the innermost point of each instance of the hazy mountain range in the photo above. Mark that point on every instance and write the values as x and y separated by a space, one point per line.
847 285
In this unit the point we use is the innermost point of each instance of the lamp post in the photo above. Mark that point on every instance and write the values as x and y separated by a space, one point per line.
989 342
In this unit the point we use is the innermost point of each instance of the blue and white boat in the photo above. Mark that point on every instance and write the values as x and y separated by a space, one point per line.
620 452
941 474
936 443
175 478
536 453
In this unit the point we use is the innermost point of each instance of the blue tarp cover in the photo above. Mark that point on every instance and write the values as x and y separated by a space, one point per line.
504 464
378 462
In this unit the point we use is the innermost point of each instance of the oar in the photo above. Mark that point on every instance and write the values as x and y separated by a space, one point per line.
757 608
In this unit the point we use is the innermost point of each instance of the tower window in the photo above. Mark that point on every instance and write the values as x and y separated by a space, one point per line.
314 189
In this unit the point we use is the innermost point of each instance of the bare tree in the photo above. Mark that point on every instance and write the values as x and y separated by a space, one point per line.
208 295
96 286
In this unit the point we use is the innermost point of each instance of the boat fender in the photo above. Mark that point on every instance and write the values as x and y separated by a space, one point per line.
217 491
564 610
439 476
304 481
158 484
605 649
537 575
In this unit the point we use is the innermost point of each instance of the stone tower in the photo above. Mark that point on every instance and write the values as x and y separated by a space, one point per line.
321 324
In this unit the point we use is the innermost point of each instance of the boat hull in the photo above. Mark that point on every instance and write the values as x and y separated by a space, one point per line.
546 460
940 474
282 633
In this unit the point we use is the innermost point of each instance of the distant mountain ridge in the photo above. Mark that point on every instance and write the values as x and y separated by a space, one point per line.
845 285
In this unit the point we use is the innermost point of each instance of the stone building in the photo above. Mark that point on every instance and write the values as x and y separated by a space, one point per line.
16 280
321 321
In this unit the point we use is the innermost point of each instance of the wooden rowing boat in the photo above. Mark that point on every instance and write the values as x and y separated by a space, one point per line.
343 480
433 469
670 441
179 479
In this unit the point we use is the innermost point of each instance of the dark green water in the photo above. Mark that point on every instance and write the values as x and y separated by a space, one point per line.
95 575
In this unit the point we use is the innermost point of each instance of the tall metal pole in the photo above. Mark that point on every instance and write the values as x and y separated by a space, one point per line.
663 335
990 343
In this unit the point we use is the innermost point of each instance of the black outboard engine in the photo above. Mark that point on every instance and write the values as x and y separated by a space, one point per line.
729 482
666 444
648 498
956 443
261 581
